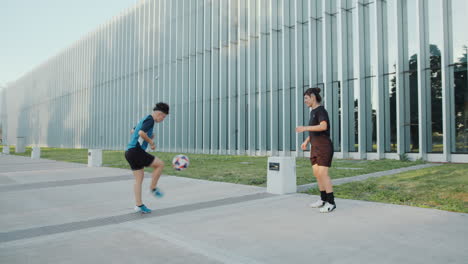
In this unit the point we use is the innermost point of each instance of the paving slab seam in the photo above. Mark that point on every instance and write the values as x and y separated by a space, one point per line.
36 170
62 183
118 219
32 163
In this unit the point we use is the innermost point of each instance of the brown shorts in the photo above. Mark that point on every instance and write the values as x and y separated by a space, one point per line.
321 155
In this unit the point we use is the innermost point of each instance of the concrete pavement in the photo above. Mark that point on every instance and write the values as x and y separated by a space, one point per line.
57 212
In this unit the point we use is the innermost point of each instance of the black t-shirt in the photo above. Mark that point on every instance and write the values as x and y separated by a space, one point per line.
318 115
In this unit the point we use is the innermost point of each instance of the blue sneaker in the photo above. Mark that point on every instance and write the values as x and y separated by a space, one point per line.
158 193
142 209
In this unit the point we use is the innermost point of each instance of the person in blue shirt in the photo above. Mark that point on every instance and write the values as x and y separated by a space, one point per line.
138 158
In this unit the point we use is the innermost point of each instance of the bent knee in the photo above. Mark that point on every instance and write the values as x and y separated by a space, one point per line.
157 164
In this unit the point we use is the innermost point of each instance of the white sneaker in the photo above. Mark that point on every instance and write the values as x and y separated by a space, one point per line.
327 208
319 203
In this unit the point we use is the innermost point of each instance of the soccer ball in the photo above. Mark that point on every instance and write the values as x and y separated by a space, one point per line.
180 162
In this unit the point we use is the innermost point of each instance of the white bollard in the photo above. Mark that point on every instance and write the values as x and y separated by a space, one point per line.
95 158
281 177
20 146
36 153
6 149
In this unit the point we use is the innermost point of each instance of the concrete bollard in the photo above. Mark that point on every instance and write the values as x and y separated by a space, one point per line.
36 153
6 149
281 176
95 158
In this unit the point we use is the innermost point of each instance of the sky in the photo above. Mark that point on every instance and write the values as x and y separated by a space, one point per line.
31 31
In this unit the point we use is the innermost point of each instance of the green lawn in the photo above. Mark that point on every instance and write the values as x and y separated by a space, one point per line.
443 187
235 169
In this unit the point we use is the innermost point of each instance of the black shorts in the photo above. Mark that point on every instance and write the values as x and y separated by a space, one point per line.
321 155
138 158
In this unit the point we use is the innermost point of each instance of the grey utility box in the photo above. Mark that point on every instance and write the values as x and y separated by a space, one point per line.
281 176
95 158
36 153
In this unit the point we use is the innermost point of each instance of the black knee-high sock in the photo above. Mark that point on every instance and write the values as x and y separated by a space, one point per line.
323 195
330 198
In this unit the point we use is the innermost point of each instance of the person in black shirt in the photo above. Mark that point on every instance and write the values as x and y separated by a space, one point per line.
321 151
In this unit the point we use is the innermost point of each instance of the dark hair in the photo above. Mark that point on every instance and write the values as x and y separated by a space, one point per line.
314 91
163 107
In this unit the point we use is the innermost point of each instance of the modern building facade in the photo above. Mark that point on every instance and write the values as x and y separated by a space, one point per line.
393 75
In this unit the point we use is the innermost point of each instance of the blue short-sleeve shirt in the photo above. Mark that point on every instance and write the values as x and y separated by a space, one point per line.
146 124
